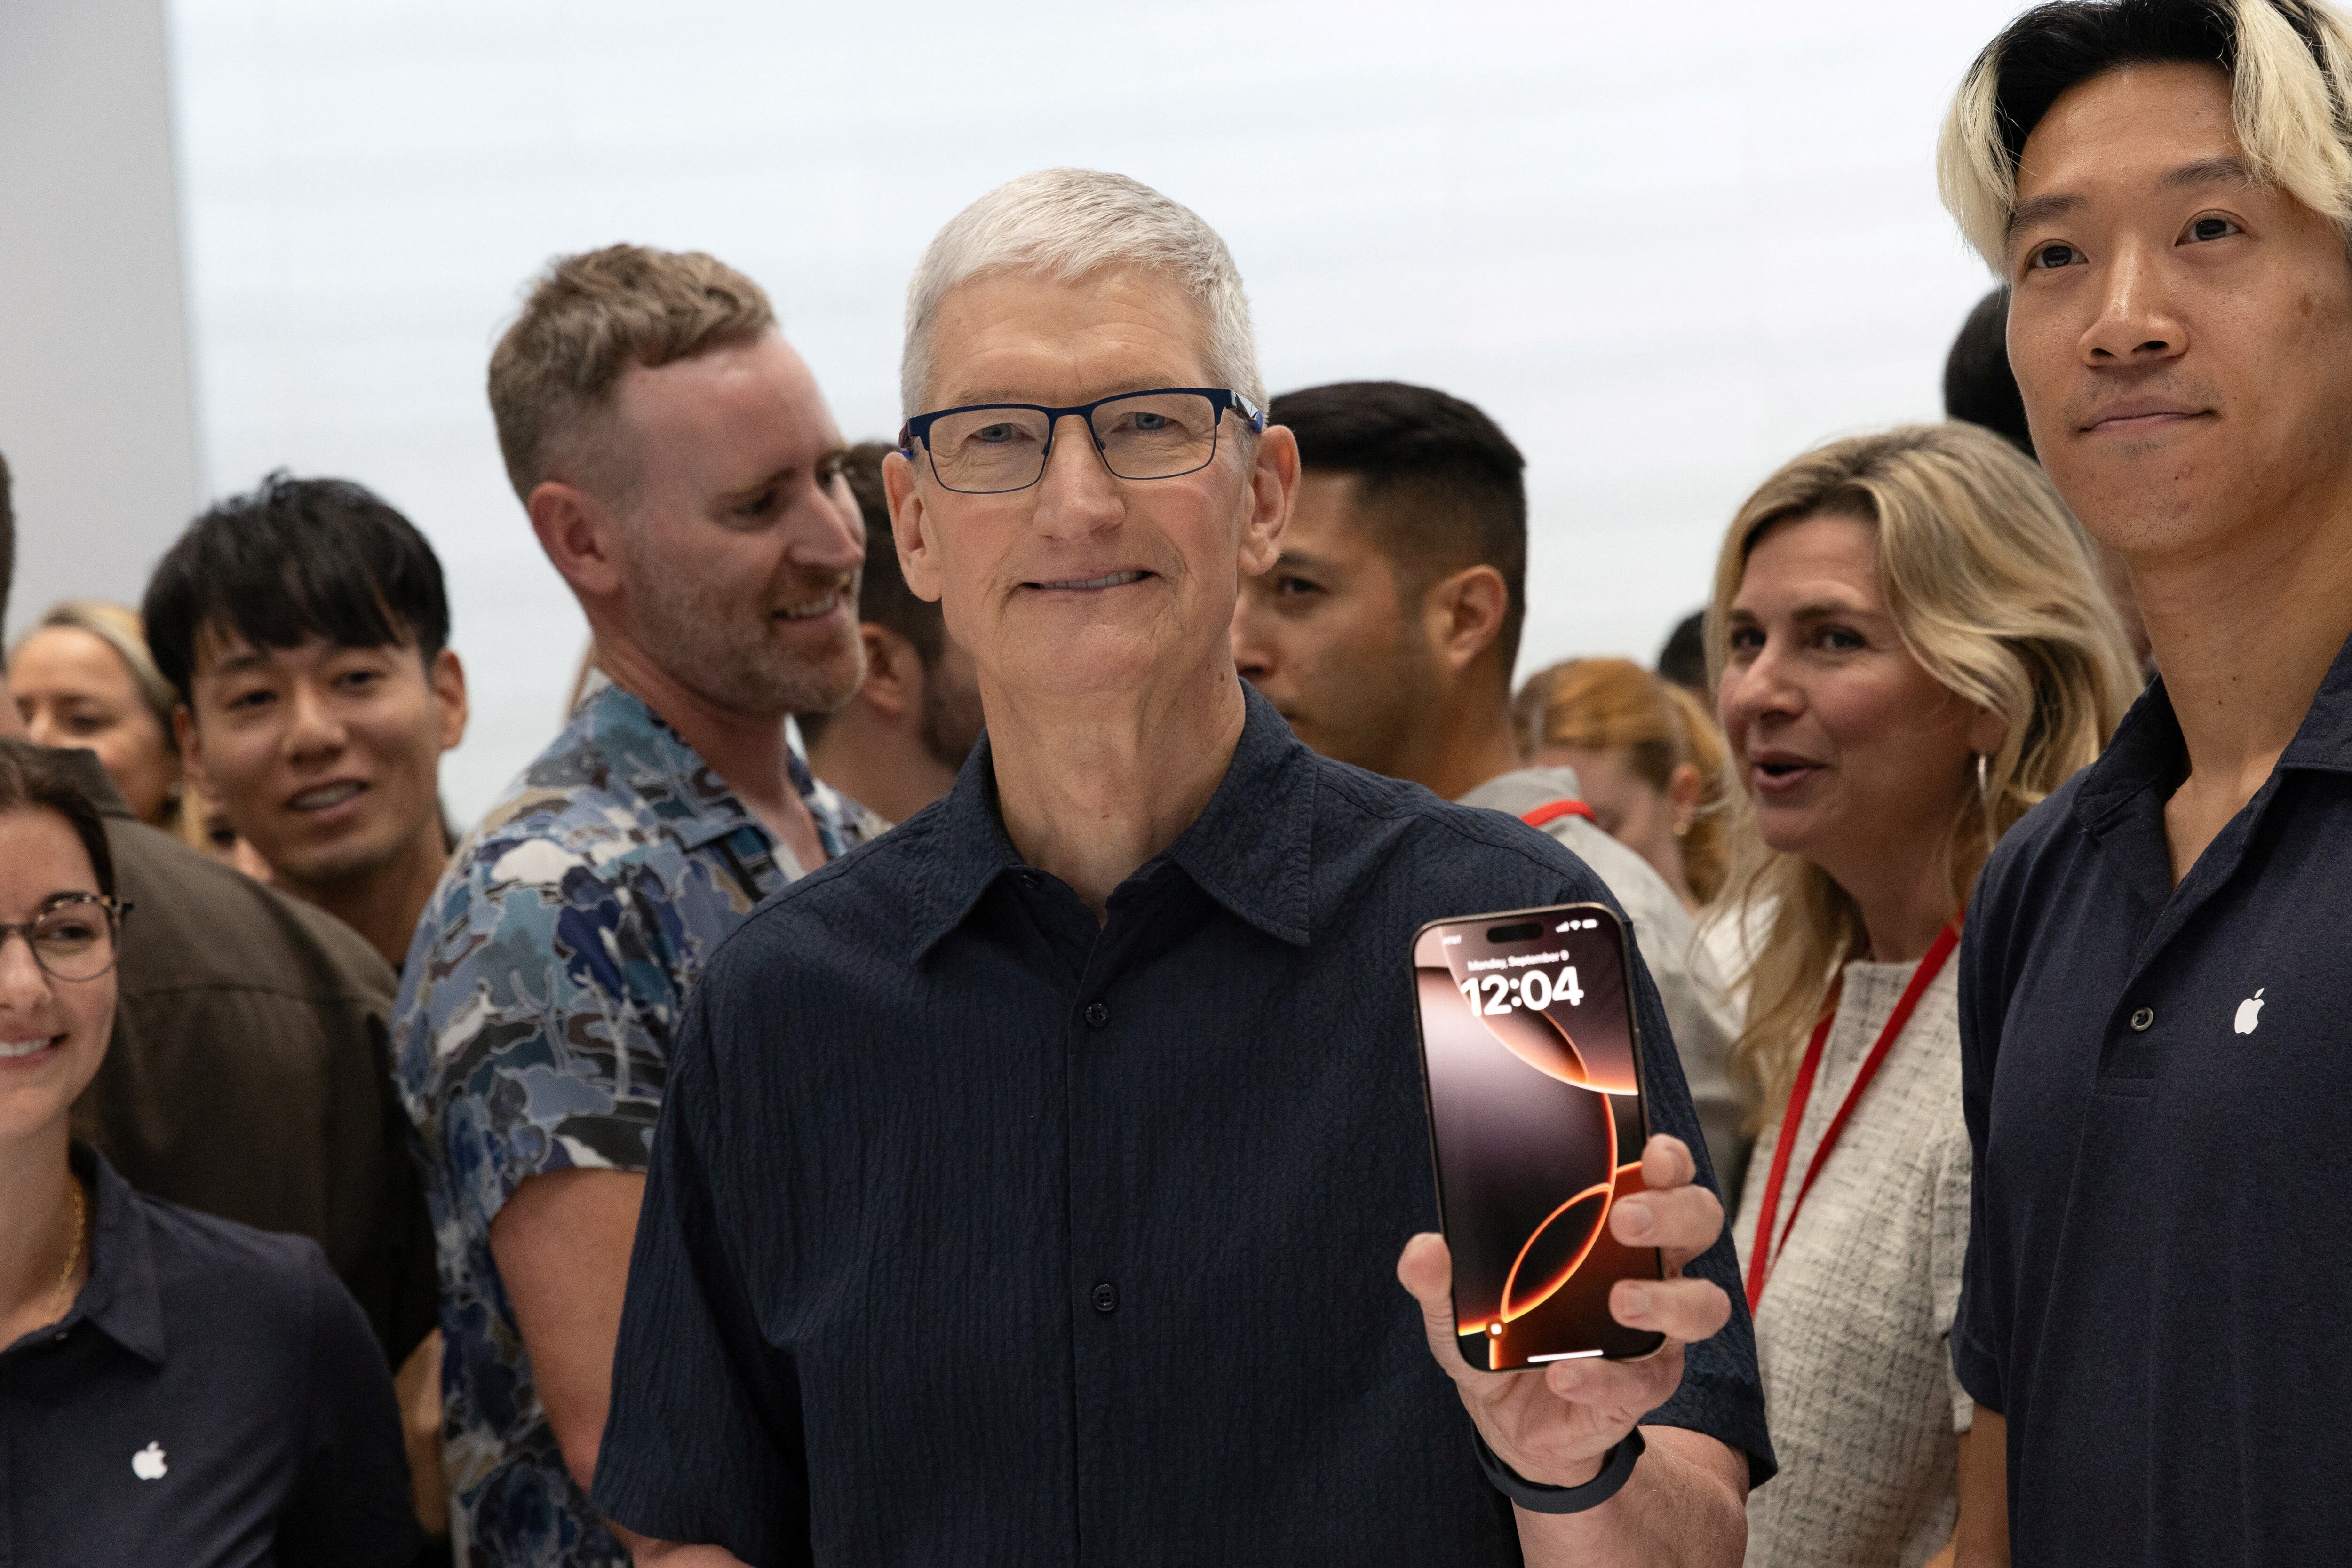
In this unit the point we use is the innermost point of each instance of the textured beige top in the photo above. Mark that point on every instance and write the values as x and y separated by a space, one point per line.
1854 1332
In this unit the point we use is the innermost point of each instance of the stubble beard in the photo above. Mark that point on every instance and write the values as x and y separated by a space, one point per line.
724 653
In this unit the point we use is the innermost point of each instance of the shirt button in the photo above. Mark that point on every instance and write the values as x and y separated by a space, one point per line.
1106 1298
1097 1015
2141 1019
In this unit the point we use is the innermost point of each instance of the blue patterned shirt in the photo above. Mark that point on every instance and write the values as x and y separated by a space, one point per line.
533 1033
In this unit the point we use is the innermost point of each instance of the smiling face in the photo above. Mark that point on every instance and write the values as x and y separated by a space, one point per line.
1085 584
1855 756
52 1033
741 543
326 759
73 690
2182 336
1333 640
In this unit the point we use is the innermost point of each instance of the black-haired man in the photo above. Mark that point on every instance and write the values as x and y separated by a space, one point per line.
895 747
1386 634
306 629
2153 990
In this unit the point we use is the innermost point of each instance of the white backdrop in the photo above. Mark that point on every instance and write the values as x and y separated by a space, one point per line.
1667 247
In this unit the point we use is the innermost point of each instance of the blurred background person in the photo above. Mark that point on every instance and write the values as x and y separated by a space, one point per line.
173 1388
1648 761
1386 634
1682 658
896 746
305 629
1913 647
682 472
83 677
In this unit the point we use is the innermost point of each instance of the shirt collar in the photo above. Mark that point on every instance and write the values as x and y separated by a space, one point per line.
1522 792
120 1299
2148 748
1249 849
644 754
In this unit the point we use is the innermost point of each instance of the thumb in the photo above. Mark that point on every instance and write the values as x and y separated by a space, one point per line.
1425 1269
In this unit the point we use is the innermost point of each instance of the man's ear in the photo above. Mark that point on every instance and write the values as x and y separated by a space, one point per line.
581 536
192 751
1274 490
449 678
894 672
1463 614
910 535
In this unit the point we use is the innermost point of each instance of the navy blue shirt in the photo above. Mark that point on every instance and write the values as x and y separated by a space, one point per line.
214 1399
2158 1085
976 1232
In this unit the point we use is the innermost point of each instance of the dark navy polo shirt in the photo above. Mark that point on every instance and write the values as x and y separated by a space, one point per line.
977 1233
2158 1085
213 1398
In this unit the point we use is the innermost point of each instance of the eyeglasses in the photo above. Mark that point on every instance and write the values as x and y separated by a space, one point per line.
990 448
75 937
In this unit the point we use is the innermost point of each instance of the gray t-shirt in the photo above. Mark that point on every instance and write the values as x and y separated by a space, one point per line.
1854 1332
1703 1023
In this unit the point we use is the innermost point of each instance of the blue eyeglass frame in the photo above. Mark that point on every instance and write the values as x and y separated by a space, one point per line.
1222 400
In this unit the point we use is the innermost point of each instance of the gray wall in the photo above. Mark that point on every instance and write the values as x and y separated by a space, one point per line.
96 416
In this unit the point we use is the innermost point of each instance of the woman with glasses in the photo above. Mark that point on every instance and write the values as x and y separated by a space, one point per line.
174 1388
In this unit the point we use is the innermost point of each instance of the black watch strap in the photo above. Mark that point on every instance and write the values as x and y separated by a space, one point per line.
1538 1498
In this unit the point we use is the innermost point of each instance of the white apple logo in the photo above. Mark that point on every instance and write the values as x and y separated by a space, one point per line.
147 1464
2250 1012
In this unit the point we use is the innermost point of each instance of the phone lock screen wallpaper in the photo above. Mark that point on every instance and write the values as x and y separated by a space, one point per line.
1536 1117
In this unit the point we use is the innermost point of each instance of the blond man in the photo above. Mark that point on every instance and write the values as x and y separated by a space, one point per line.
683 474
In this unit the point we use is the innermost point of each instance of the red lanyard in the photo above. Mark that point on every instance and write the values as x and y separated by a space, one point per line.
1555 810
1760 1260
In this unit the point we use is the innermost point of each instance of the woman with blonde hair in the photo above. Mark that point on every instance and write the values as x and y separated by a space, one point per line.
1648 761
83 677
1911 647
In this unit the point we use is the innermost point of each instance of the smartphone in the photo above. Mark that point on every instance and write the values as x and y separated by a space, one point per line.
1531 1062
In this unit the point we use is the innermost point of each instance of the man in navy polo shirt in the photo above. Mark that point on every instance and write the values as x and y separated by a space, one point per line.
1035 1186
2154 1003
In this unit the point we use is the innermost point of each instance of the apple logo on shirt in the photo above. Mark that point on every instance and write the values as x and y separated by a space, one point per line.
148 1464
2250 1011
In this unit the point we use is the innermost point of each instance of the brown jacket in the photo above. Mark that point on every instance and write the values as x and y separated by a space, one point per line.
249 1073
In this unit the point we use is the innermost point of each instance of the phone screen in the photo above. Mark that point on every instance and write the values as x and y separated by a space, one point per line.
1532 1063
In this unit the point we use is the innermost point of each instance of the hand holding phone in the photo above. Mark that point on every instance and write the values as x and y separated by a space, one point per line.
1554 1423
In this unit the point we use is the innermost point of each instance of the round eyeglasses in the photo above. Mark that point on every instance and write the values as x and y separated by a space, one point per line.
74 937
990 448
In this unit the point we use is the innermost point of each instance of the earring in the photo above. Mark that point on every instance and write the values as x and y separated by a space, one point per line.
1682 830
1984 789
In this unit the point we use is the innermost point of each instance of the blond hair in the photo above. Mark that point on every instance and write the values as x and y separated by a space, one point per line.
1993 588
588 317
121 629
1614 705
1065 223
2290 68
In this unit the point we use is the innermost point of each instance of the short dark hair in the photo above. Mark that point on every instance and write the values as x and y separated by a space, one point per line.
1441 485
1979 386
34 778
294 561
2057 47
883 596
1683 660
7 542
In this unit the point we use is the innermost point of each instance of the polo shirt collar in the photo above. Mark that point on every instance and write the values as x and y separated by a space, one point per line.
2148 748
120 1299
1249 849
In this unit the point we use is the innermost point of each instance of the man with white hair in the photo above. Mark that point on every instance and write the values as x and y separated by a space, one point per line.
1032 1183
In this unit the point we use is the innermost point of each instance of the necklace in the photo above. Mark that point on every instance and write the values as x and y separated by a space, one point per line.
63 1295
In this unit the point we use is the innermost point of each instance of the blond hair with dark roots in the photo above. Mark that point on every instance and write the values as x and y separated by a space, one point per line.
2290 68
1614 705
587 318
1993 588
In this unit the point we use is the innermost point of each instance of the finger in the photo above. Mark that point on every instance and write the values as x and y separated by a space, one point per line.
1666 1162
1625 1389
1425 1269
1683 1221
1685 1310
